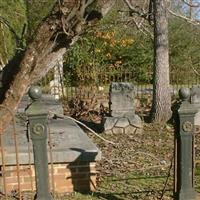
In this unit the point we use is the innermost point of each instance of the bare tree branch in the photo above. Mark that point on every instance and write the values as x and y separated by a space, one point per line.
191 5
106 5
190 20
141 27
88 2
142 16
139 12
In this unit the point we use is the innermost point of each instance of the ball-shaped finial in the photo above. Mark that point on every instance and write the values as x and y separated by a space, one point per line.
184 94
35 93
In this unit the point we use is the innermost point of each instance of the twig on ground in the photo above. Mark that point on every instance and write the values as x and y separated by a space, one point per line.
165 185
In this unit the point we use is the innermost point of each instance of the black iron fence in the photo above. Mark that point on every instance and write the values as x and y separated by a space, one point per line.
97 82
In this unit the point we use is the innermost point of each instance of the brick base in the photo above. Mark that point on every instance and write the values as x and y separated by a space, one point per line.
67 177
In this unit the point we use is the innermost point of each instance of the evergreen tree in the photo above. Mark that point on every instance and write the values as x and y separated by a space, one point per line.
12 21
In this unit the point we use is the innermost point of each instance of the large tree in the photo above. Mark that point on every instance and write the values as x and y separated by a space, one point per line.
161 106
53 36
155 13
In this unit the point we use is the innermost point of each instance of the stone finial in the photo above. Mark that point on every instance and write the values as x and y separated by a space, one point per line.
35 93
184 94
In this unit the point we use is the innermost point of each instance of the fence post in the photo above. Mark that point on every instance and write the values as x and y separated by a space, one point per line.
185 153
37 117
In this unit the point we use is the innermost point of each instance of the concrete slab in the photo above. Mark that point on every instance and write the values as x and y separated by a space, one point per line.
69 143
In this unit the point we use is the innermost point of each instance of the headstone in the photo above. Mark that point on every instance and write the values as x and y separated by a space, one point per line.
121 109
195 99
195 94
121 102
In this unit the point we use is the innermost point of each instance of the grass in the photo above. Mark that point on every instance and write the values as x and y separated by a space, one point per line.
126 187
197 179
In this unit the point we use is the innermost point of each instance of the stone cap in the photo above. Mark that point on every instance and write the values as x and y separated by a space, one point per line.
121 86
69 144
49 103
190 100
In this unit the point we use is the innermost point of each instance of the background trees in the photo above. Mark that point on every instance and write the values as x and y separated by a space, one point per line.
113 47
12 20
184 49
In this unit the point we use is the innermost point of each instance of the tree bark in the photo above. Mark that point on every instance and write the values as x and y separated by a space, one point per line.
161 106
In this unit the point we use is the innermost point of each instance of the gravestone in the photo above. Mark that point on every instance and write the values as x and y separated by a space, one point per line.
195 94
121 102
195 99
122 117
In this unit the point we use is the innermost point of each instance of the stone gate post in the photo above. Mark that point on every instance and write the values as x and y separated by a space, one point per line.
185 154
37 117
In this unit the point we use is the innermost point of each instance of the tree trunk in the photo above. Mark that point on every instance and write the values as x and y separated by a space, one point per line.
50 42
39 56
161 106
67 21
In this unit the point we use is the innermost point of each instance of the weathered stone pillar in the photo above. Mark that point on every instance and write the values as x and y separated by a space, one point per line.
37 117
185 154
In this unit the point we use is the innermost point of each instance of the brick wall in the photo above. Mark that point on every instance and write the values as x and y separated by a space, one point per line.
67 177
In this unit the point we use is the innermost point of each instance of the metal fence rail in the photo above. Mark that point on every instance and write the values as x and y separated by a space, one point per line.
3 152
90 82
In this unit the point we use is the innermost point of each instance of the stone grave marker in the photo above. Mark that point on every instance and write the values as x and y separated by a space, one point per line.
195 94
122 117
195 99
121 102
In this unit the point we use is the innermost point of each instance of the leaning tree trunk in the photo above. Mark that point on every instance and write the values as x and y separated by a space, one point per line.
67 21
40 54
161 106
